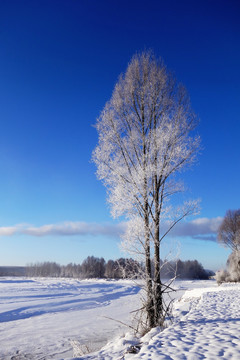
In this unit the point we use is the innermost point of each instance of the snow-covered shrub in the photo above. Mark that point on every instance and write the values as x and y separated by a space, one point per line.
232 274
221 276
233 264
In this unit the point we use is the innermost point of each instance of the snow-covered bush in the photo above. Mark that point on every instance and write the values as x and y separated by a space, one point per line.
221 276
232 274
233 264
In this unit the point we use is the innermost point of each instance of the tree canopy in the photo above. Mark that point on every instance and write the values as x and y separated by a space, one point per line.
229 230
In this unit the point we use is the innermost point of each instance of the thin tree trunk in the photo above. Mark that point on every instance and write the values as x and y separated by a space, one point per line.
148 271
158 301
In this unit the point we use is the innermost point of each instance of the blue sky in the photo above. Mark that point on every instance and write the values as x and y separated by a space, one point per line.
59 63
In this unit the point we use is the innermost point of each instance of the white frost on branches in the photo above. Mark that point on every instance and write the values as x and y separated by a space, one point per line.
143 132
144 140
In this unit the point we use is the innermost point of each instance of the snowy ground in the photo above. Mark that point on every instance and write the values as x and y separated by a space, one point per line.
206 326
41 318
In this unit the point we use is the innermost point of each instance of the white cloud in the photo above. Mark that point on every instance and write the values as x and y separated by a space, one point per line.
11 230
201 228
67 228
75 228
8 231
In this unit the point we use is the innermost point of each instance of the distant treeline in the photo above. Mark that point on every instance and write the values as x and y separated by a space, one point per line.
91 267
190 269
12 271
94 267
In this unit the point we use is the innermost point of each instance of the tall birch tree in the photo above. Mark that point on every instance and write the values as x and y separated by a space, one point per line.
145 139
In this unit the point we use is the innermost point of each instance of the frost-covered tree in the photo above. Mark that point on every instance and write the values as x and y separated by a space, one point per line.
144 140
229 236
229 230
232 274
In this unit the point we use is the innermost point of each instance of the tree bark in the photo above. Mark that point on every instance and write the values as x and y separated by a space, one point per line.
158 301
148 270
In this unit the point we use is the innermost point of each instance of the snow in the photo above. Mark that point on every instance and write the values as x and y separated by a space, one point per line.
41 318
205 326
46 318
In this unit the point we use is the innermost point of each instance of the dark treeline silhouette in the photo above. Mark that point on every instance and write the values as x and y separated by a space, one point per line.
190 269
12 270
94 267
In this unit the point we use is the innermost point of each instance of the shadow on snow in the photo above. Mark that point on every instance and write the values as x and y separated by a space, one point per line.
107 293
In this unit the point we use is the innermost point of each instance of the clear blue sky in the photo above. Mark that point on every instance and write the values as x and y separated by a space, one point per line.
59 62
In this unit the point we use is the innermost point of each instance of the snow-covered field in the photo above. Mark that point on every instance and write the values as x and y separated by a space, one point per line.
43 318
39 318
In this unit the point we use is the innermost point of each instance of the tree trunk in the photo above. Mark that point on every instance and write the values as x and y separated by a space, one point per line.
158 301
148 272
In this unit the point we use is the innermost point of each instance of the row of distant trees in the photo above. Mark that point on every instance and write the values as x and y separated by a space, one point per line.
94 267
190 269
91 267
12 271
